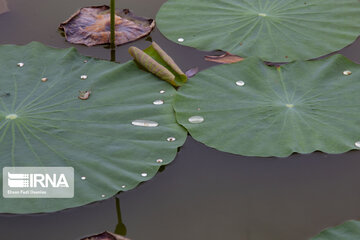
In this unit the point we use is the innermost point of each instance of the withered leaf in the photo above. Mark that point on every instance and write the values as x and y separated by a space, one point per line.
91 26
224 58
106 236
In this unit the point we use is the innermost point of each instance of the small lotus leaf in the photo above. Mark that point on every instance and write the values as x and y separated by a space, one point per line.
114 138
91 26
274 30
155 60
349 230
252 109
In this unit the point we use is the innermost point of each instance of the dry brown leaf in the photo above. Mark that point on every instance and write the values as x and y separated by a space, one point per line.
91 26
224 58
106 236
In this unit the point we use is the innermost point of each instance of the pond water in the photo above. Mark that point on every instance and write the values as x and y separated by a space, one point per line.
204 193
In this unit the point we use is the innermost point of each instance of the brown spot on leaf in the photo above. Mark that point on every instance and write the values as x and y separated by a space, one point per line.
224 58
105 236
91 26
4 94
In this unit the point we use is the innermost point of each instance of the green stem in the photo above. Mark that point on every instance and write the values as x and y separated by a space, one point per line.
120 227
113 55
112 24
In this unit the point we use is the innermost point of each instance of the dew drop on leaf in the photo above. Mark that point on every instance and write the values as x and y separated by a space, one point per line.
158 102
196 119
240 83
145 123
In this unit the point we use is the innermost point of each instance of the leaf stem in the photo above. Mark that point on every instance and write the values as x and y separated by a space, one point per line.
112 24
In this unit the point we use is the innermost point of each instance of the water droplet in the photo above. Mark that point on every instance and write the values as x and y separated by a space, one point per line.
162 91
357 144
85 61
144 174
347 73
196 119
20 64
123 186
158 102
83 77
289 105
145 123
44 79
159 160
103 195
83 178
171 139
84 95
262 14
240 83
11 116
181 39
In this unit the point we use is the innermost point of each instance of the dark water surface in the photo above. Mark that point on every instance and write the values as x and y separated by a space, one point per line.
204 194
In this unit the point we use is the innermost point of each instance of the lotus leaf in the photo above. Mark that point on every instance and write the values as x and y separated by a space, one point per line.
347 231
252 109
274 30
115 138
91 26
155 60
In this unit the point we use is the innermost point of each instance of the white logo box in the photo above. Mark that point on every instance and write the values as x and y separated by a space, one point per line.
38 182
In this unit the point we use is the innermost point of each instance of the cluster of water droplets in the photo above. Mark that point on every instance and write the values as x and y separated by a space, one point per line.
196 119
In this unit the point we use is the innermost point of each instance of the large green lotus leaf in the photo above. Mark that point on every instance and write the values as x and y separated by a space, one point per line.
98 136
347 231
252 109
274 30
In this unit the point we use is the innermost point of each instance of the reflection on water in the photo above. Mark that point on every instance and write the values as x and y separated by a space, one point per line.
3 6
